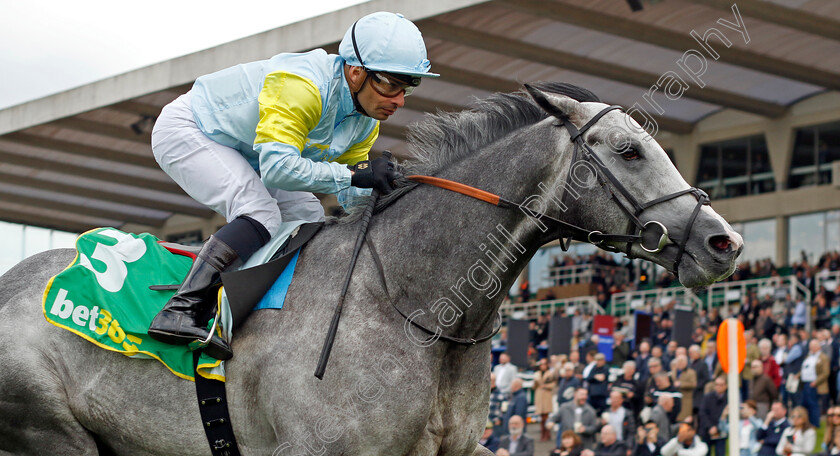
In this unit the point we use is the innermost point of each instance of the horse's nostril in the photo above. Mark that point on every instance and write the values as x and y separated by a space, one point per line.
720 242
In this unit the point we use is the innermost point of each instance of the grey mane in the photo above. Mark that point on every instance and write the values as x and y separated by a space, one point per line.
444 138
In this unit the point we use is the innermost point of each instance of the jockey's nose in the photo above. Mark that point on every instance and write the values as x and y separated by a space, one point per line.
399 100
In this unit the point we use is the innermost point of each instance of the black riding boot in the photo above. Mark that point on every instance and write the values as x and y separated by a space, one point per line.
184 318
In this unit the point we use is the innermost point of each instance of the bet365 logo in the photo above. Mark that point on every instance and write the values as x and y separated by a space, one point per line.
110 272
127 250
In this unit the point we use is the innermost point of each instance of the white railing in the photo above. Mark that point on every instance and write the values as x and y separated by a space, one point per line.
725 293
829 280
583 273
628 301
721 294
532 310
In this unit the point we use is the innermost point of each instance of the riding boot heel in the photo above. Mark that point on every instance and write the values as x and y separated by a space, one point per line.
184 318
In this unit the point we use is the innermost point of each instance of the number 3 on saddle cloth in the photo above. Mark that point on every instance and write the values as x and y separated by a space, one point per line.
119 281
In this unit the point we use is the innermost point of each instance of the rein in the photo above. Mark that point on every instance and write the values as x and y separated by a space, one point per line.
434 335
611 185
578 233
607 180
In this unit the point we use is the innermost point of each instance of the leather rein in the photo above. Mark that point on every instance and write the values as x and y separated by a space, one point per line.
611 185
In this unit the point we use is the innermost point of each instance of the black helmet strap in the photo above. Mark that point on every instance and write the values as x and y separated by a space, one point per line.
356 46
355 95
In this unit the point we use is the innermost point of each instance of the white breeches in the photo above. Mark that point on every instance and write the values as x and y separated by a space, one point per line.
219 176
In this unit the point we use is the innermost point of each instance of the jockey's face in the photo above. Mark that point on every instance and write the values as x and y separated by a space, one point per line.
375 105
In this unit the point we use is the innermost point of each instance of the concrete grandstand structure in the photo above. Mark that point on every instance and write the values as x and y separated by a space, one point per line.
743 95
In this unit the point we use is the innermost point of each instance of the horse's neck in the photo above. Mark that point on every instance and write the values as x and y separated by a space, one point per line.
452 250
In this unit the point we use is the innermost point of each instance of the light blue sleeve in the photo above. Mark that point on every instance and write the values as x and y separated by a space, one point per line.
352 196
281 166
795 353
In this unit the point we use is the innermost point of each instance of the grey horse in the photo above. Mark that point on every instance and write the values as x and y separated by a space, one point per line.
390 389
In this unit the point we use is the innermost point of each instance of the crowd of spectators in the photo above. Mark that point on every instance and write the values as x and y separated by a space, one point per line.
663 399
640 275
613 276
656 397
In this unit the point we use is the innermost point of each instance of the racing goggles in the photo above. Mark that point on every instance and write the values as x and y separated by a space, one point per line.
390 85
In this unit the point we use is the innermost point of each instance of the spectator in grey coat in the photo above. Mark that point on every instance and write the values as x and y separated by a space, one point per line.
580 417
517 443
659 415
518 405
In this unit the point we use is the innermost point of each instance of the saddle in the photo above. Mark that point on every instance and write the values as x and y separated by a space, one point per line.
246 287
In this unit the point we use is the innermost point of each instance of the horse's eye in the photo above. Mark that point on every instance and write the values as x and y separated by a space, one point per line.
630 154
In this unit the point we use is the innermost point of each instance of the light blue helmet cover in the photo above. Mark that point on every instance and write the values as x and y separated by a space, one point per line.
386 42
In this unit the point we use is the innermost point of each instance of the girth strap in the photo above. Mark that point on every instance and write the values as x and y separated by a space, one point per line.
215 416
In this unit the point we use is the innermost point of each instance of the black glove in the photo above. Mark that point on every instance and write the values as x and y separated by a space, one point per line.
378 174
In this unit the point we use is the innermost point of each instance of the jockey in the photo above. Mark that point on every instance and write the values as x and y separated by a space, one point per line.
252 141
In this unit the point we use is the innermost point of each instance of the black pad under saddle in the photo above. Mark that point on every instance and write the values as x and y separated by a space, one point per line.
246 287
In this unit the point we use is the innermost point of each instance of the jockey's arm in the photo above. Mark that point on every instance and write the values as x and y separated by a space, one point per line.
290 107
351 196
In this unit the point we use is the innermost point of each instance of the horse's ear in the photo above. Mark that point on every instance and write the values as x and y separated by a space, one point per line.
560 106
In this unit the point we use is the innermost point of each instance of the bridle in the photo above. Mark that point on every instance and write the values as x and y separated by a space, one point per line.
611 185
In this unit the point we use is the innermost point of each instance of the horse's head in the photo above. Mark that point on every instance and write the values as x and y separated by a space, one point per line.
621 187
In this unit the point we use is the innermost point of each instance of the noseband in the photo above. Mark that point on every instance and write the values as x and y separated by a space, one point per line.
612 186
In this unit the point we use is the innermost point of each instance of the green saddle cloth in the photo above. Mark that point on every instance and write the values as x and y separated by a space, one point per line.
104 297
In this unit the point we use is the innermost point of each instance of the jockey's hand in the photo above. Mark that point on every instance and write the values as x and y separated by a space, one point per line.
378 174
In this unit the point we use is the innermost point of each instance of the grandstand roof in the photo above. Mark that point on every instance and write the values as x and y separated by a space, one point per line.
82 158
